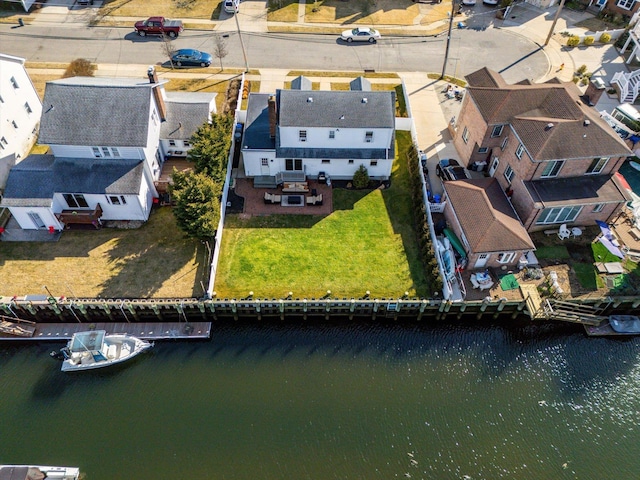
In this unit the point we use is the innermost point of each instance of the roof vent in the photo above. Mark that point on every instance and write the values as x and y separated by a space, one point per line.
364 100
549 126
309 99
587 123
341 117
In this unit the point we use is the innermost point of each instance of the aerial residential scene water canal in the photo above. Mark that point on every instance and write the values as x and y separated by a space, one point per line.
334 402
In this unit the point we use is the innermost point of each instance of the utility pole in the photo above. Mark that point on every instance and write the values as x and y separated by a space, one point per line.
244 54
446 52
553 25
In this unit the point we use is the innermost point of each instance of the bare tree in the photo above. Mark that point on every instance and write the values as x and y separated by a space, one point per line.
80 67
168 49
220 49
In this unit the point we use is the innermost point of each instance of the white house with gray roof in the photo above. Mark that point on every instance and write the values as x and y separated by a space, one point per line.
20 110
301 133
104 136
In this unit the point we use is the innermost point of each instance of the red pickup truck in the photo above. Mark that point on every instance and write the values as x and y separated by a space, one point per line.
159 26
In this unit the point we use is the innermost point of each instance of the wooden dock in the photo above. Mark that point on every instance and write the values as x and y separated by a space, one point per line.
143 330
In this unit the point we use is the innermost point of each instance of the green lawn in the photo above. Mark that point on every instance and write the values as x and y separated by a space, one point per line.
552 251
367 243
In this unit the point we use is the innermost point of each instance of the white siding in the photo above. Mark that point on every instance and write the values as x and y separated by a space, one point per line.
13 109
252 160
86 151
21 215
343 137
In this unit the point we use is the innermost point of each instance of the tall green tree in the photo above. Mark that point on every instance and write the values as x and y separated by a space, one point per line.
361 177
210 147
197 203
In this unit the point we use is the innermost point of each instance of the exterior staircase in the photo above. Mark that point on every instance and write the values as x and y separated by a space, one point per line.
628 85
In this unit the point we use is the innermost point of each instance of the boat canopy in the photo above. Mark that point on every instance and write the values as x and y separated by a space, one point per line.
83 341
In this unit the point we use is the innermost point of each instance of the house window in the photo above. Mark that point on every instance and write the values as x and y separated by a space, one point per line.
465 135
96 152
115 152
154 117
27 107
1 99
172 143
293 164
264 162
332 134
75 201
483 150
37 221
509 173
186 143
558 215
368 137
106 152
504 143
3 140
15 125
626 4
326 161
597 165
497 131
598 207
506 257
14 82
302 135
552 168
114 200
519 151
374 163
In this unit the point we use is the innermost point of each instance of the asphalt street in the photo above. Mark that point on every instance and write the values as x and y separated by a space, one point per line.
515 56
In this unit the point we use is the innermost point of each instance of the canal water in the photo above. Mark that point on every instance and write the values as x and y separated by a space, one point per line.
373 401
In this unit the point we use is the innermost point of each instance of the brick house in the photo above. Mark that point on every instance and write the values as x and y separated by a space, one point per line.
551 154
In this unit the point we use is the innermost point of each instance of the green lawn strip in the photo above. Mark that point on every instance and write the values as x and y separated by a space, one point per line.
588 276
367 243
602 254
352 75
552 252
282 11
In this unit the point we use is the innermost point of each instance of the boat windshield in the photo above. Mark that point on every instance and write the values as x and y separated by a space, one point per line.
83 341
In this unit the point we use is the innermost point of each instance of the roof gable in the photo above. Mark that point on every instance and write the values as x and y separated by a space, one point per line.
486 217
96 111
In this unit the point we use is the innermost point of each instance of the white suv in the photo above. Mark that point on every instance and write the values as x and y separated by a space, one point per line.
231 6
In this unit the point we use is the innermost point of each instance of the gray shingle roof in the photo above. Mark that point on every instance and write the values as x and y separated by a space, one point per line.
96 111
185 113
360 84
40 176
587 189
336 109
488 220
256 128
577 132
301 83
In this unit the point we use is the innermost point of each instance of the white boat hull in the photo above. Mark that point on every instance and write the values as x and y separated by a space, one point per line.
20 472
117 348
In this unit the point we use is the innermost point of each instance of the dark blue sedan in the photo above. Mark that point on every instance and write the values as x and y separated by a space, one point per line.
191 58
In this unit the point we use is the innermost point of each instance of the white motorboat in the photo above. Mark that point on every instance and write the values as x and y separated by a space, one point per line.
26 472
96 349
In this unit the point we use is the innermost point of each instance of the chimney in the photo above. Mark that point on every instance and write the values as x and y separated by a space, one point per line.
151 73
273 116
162 108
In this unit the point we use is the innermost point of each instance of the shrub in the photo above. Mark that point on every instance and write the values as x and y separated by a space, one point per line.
575 79
622 39
361 177
588 40
584 81
605 38
582 69
573 41
80 67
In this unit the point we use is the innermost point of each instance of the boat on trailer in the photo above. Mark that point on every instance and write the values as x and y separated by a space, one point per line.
96 349
26 472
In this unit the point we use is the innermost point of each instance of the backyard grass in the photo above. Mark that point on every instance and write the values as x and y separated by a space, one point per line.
602 254
588 276
155 260
552 252
367 243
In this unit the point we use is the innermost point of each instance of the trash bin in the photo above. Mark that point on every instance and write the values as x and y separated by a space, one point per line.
436 198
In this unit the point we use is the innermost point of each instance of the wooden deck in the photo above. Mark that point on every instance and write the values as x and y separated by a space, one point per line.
143 330
181 164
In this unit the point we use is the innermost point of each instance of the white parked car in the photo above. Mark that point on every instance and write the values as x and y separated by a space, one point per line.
469 3
490 2
361 34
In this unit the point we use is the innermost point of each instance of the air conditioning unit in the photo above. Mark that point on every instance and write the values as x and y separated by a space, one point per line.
178 152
